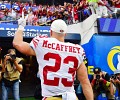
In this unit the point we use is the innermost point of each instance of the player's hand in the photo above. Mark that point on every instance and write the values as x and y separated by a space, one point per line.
7 57
22 22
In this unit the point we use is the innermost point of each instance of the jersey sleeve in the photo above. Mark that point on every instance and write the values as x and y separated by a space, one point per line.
34 42
82 54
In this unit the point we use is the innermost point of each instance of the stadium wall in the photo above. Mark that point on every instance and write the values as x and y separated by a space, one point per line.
104 52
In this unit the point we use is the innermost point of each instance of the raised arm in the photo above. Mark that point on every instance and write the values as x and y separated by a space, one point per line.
18 42
85 83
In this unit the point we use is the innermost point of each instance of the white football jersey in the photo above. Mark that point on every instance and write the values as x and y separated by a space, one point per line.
58 62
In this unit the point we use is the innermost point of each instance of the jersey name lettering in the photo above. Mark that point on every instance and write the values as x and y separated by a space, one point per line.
60 47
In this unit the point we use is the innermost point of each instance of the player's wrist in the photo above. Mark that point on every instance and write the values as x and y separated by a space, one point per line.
21 27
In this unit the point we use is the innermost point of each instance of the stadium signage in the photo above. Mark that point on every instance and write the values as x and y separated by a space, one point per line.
109 60
15 6
12 27
32 30
27 34
108 25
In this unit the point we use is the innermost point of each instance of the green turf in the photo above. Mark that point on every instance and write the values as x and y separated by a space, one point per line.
27 98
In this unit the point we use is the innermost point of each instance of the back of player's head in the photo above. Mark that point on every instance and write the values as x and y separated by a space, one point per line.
59 26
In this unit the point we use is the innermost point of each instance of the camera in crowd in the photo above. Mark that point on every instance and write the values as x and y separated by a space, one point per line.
97 76
97 72
115 75
13 56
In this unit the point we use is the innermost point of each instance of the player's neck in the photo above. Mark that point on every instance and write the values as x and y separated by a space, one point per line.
61 39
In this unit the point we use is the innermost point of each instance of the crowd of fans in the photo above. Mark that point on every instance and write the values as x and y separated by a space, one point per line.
70 12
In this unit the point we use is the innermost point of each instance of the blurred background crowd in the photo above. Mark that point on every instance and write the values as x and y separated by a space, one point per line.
42 15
